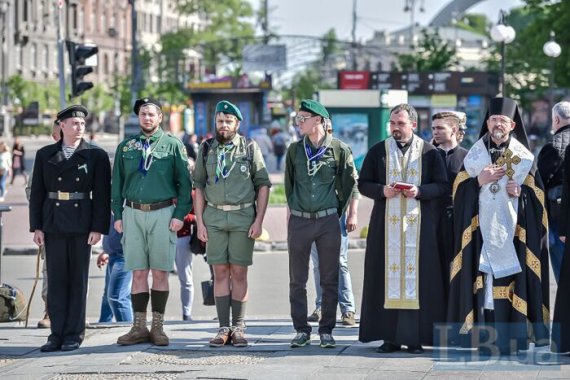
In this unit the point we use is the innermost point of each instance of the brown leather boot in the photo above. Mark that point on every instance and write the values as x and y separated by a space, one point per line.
44 323
157 335
139 332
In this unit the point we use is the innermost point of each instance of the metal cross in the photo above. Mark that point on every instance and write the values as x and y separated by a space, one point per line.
509 159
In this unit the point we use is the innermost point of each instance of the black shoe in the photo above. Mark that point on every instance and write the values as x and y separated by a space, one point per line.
388 348
301 340
415 350
70 346
50 346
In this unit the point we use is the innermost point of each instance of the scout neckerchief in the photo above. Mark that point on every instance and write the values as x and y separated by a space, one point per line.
147 151
497 214
402 228
222 170
314 160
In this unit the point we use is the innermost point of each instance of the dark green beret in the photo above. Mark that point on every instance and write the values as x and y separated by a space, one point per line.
314 107
76 110
229 108
143 102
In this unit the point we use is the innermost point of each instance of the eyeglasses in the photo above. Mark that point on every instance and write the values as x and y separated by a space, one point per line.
301 119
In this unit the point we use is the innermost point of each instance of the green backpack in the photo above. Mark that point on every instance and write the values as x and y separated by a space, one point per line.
12 304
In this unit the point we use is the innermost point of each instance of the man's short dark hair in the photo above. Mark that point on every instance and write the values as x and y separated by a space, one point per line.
412 113
446 115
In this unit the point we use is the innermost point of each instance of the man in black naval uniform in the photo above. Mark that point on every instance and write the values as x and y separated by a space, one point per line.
69 210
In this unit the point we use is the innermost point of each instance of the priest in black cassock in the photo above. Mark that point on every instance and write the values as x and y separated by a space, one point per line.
445 126
403 294
499 275
561 320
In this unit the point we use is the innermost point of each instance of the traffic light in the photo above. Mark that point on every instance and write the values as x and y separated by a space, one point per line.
78 54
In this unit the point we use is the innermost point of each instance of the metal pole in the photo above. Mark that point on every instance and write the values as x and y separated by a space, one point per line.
135 76
5 116
551 90
60 53
502 87
354 17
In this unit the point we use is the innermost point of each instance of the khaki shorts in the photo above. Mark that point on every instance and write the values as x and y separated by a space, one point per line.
227 236
147 240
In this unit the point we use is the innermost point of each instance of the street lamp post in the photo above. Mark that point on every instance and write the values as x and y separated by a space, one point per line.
552 50
503 34
4 5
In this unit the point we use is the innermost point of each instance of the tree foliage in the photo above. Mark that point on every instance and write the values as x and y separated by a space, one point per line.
431 54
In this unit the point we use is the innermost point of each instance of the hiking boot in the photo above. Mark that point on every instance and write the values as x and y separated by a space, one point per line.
139 332
316 316
300 340
223 337
238 337
157 335
44 323
327 341
348 319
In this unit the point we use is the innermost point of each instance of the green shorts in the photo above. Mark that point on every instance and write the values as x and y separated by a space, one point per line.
227 236
147 240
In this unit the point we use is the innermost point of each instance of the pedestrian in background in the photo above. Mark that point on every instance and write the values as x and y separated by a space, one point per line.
150 171
5 168
116 301
550 164
69 211
18 161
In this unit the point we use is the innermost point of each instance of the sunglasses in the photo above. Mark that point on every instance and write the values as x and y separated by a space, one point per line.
301 119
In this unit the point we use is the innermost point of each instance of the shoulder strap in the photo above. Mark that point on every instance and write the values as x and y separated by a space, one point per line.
249 150
205 149
335 144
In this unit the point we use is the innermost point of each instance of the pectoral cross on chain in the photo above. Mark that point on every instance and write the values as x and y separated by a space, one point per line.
509 159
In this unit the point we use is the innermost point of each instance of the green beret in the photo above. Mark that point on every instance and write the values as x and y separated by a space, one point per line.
145 101
314 107
76 110
226 107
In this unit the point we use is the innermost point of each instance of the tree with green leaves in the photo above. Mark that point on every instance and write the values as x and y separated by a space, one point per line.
431 54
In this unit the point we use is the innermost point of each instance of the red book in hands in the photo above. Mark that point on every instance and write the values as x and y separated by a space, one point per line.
402 185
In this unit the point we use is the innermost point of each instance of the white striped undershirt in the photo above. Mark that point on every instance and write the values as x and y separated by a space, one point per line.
68 151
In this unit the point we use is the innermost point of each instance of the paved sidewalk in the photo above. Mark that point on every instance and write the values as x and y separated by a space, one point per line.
267 357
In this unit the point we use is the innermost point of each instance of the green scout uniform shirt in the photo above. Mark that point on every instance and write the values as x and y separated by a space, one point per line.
319 192
242 182
167 178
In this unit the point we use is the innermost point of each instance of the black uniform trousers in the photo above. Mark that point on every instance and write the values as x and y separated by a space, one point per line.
67 259
302 232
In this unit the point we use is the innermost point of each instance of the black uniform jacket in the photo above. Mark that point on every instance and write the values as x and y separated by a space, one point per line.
88 170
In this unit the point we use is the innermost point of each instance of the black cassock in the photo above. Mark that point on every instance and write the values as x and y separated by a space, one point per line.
408 327
561 320
521 301
66 225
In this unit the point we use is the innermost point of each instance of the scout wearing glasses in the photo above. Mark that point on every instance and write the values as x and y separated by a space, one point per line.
232 190
319 180
69 210
149 173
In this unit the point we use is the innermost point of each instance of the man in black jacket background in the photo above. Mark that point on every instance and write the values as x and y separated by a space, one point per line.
550 164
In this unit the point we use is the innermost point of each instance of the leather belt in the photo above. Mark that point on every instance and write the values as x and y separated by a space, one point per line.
314 215
149 206
231 207
63 196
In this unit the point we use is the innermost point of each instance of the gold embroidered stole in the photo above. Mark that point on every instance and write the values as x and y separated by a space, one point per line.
402 228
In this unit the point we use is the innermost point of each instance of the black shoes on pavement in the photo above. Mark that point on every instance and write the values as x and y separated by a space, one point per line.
389 347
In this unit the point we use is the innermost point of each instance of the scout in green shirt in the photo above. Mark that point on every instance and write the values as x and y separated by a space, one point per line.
320 179
151 194
230 176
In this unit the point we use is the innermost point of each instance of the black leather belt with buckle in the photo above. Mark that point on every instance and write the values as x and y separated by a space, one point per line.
149 206
63 196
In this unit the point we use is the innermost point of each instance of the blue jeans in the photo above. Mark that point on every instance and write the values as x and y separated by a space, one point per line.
345 295
556 248
116 300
